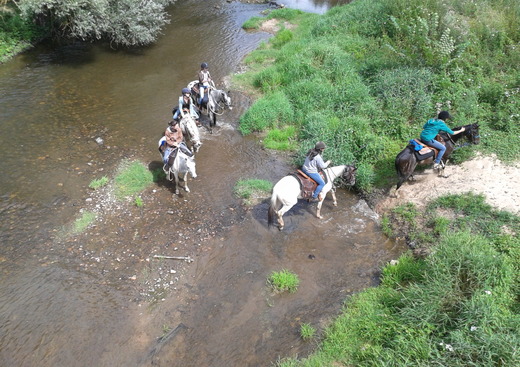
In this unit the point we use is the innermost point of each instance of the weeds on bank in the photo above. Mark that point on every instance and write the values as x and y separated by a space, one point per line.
365 77
307 331
457 307
284 280
251 190
97 183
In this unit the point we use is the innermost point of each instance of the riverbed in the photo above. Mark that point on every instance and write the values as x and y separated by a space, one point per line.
73 113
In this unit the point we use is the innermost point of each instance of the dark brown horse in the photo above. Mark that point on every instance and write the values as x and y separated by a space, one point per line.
406 160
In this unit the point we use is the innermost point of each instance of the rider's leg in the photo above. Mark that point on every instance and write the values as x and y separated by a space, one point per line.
437 145
201 93
316 177
176 114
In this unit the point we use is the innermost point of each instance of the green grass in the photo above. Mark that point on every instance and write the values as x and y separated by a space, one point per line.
85 220
252 190
365 77
138 201
16 34
281 139
282 281
97 183
132 178
307 331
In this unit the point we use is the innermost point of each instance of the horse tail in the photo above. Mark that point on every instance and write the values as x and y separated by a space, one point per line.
272 209
405 163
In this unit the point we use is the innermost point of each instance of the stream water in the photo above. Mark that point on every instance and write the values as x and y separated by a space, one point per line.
100 298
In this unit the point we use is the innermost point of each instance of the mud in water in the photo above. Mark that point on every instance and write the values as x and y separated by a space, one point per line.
101 298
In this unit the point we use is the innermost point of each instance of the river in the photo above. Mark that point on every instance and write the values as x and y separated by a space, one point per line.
99 298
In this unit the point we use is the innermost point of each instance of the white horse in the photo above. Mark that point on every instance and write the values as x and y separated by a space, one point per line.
182 165
190 131
217 101
287 191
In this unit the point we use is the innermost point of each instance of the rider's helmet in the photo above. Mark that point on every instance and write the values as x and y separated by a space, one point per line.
186 91
204 65
319 145
444 115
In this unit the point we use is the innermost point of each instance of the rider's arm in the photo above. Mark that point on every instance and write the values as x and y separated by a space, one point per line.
459 131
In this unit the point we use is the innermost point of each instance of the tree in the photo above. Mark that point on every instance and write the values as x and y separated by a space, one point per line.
122 22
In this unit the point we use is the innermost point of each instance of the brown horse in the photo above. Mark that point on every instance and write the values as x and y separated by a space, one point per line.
406 160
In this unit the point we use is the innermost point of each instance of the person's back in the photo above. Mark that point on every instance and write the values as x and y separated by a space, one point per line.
313 163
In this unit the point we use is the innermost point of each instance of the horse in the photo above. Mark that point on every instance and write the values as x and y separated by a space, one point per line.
214 102
406 161
287 192
190 131
182 165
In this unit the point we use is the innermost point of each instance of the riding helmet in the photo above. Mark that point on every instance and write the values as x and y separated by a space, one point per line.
444 115
186 90
319 145
204 65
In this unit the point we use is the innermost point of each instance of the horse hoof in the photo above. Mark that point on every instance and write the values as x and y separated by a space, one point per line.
280 228
335 203
187 190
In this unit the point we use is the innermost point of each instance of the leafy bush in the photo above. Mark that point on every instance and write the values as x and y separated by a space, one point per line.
122 22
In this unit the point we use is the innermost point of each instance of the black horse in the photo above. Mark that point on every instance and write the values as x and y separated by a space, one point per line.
406 160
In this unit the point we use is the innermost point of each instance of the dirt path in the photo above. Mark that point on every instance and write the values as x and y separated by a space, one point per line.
498 182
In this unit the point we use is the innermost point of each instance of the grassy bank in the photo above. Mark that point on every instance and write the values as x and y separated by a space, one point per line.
459 306
366 76
16 34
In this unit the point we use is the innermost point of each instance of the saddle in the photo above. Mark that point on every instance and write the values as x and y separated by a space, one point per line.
307 184
422 151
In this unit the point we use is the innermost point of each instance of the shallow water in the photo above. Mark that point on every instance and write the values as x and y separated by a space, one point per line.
99 298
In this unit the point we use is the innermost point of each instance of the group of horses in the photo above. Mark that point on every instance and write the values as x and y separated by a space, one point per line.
288 190
214 103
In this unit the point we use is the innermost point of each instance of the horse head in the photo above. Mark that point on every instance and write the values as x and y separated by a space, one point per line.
473 132
190 165
349 175
226 99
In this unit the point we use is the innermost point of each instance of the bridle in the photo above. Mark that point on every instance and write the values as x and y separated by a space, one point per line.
345 181
221 103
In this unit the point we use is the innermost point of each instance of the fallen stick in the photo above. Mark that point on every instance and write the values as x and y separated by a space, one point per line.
185 258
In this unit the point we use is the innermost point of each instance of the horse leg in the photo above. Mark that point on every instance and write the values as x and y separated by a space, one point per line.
185 179
334 201
176 183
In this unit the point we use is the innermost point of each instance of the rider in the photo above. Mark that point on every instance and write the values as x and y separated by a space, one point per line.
314 162
205 80
186 104
172 139
430 131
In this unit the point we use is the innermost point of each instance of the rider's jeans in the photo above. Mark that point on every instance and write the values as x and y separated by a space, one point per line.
316 177
202 89
437 145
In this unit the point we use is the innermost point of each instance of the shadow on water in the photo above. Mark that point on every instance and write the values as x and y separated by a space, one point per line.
101 297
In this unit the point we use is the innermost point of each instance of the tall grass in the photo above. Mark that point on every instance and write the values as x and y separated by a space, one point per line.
457 307
364 78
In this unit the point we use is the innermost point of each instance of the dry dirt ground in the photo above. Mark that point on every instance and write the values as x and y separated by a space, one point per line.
486 175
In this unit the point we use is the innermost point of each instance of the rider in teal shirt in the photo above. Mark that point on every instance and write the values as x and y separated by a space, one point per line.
430 131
